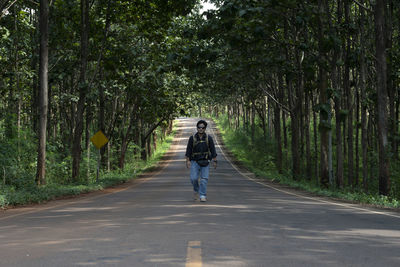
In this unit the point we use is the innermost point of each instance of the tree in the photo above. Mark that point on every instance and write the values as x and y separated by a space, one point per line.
43 90
382 102
83 89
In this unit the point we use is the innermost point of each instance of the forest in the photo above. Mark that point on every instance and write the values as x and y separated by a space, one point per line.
311 85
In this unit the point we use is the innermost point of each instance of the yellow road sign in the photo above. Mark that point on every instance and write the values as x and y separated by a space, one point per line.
99 139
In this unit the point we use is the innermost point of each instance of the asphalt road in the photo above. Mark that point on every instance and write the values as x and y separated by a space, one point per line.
154 222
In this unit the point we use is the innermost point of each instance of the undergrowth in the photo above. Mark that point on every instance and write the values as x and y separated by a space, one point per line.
27 192
258 156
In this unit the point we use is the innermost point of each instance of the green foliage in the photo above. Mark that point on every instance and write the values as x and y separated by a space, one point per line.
17 162
259 158
25 192
257 155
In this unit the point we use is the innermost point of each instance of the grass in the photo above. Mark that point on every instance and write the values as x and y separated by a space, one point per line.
259 159
30 193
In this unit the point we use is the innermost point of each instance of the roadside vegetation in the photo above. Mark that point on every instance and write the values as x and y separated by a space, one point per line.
313 84
24 191
259 157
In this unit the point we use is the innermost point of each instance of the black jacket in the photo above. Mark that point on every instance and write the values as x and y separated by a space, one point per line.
200 147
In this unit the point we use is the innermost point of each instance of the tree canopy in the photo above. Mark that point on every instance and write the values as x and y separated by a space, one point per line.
320 78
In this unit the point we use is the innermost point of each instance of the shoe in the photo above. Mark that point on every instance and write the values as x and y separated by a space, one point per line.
195 196
203 199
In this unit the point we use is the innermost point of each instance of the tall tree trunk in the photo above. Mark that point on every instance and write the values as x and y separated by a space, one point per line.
337 101
35 87
43 90
229 116
294 117
349 97
381 73
17 79
261 113
338 116
390 83
148 145
323 98
237 116
363 75
125 142
278 137
315 139
76 146
102 124
253 121
307 134
155 139
357 176
143 152
244 113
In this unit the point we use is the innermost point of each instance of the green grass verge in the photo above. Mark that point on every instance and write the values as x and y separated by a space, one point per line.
9 196
260 162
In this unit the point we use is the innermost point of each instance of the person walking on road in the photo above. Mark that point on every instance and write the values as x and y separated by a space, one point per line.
200 151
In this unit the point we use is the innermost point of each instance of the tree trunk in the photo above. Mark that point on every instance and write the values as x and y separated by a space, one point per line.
315 139
390 83
143 151
244 113
349 97
261 114
381 72
76 146
323 99
307 135
237 116
338 117
125 143
102 124
229 116
278 138
35 87
294 117
149 148
339 142
43 90
154 141
357 176
285 138
363 75
252 121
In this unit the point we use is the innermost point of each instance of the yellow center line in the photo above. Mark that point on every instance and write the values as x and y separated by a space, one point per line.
193 257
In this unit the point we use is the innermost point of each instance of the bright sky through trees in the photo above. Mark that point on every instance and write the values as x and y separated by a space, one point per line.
207 6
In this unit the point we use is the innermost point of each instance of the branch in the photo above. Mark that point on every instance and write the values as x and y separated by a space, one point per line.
276 101
36 3
51 67
4 11
153 128
362 6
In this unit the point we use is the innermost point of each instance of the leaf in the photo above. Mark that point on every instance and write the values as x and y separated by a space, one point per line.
242 12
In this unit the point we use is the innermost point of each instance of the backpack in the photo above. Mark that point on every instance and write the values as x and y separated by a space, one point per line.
205 161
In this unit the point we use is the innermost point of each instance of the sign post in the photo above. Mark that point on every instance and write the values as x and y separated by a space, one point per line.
98 140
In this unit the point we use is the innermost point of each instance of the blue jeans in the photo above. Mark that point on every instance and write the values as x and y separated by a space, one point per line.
203 172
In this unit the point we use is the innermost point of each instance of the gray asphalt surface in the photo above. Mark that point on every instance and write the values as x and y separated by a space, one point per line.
152 221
